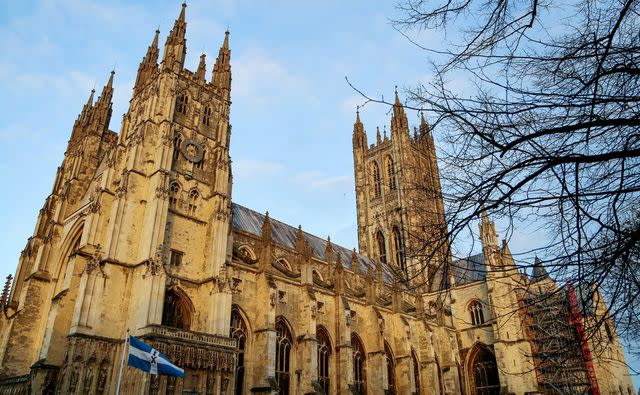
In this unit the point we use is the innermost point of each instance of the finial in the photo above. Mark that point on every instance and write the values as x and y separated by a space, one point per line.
184 6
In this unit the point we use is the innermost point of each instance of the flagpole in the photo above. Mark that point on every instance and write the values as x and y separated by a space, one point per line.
124 351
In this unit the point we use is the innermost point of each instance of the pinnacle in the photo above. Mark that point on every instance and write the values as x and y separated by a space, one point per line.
182 12
90 101
226 40
110 82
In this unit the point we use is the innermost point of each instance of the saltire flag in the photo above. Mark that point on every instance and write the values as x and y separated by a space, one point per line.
147 359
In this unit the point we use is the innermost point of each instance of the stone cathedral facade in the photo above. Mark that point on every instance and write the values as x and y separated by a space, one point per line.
140 235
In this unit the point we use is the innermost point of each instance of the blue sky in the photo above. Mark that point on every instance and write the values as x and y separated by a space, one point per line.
292 111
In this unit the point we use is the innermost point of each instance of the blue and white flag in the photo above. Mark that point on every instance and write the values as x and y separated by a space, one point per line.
147 359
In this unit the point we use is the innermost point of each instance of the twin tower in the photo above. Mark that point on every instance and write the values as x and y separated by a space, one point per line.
136 220
401 219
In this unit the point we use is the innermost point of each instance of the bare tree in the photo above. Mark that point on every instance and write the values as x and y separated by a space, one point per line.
549 134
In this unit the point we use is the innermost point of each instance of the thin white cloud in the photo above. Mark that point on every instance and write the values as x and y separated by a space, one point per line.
318 181
261 79
249 168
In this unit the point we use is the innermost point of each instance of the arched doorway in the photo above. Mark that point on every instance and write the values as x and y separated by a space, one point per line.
482 372
176 312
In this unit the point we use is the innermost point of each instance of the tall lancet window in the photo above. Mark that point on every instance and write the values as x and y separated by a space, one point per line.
377 188
324 354
359 362
382 249
475 310
239 332
391 174
206 117
416 372
284 343
391 369
182 103
398 249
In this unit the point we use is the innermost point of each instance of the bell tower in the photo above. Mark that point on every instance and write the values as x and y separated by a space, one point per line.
399 200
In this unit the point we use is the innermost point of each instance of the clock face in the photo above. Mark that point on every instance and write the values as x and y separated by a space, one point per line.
192 150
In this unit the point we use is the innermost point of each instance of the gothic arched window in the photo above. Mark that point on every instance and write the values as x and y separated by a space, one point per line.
200 164
181 103
175 312
206 118
359 363
391 174
416 372
324 354
398 248
284 343
391 382
177 142
239 332
382 249
377 189
174 192
475 310
193 201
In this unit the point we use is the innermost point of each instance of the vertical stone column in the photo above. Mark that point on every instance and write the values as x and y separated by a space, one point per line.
307 343
263 356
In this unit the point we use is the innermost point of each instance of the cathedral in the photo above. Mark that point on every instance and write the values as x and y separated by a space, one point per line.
140 236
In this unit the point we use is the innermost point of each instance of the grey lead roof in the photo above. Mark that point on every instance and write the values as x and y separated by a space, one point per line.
469 269
249 221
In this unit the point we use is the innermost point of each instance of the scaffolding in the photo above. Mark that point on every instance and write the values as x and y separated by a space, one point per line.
560 352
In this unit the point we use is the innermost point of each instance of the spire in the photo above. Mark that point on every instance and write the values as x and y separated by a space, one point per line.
149 63
181 17
488 233
378 139
424 126
175 47
101 113
221 76
202 68
539 272
399 122
225 44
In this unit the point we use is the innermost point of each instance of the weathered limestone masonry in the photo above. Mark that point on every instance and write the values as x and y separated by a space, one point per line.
139 235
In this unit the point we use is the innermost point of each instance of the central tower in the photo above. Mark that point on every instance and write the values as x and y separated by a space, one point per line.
399 200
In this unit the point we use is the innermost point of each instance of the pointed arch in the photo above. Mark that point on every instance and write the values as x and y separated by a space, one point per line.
416 371
174 193
194 196
391 173
398 249
324 358
482 371
239 331
375 171
382 248
69 247
359 364
206 117
284 345
177 310
182 103
391 369
475 311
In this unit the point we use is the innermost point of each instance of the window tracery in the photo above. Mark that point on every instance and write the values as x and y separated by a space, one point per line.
377 188
324 354
359 364
284 343
475 310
